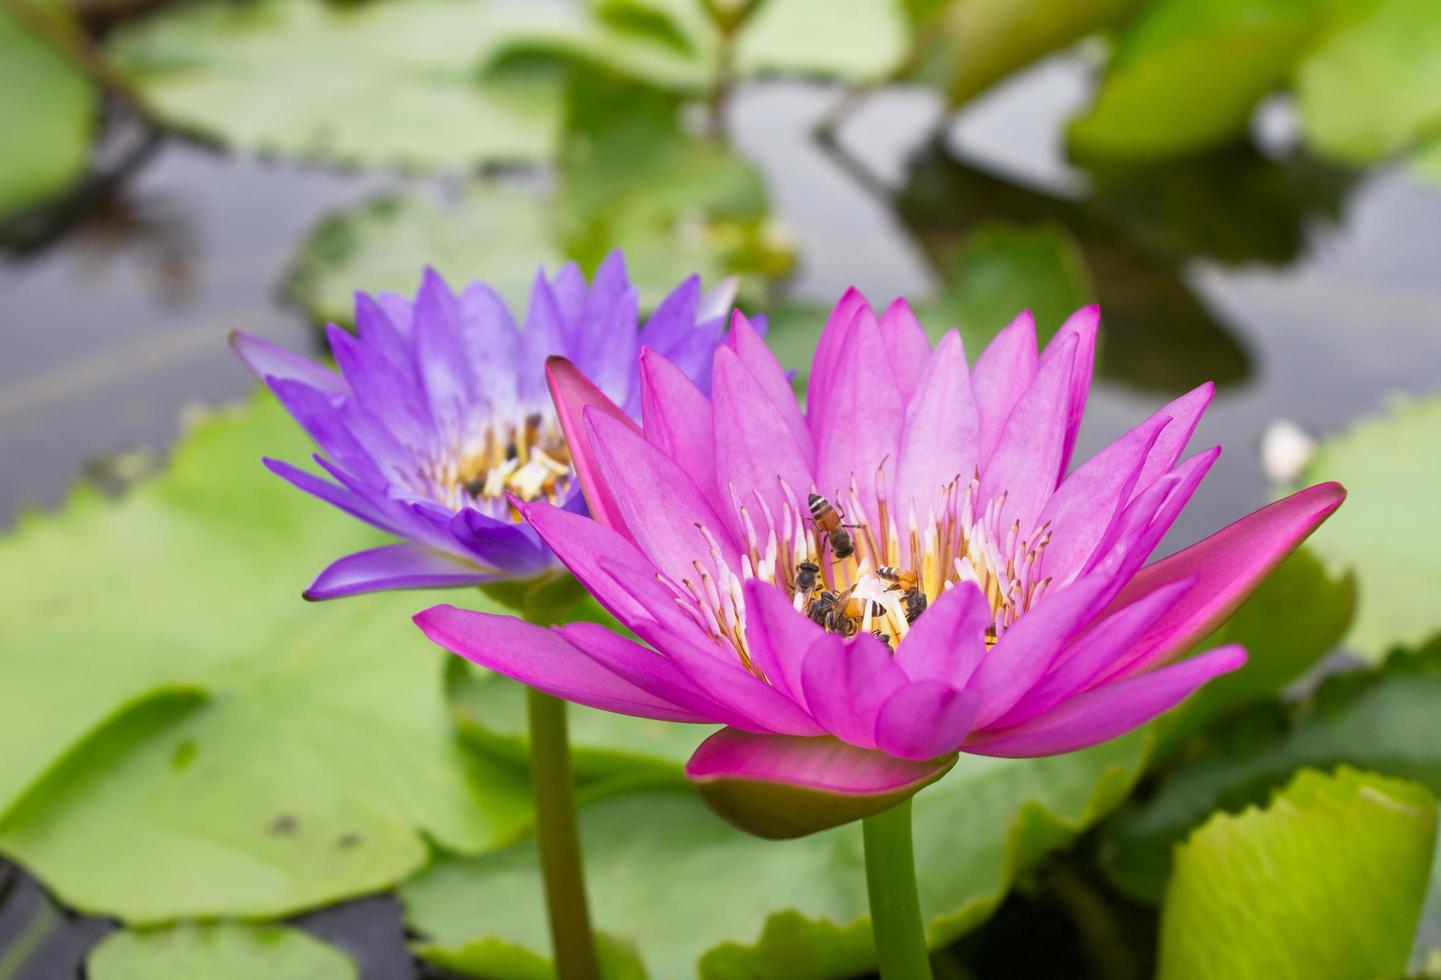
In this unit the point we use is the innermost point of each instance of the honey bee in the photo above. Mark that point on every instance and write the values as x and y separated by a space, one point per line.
899 578
855 608
828 521
829 611
820 608
806 573
991 636
916 602
882 636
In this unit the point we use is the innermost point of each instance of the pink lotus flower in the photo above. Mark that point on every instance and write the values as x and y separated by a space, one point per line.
901 572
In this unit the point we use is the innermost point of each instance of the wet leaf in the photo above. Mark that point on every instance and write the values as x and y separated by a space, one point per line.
1373 87
220 951
1389 465
48 108
184 737
395 83
1326 881
1163 93
697 897
1382 721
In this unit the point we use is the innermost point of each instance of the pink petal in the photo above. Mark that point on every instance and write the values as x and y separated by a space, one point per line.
771 379
573 393
1226 568
543 659
942 430
778 636
677 421
1026 465
780 787
908 346
925 720
863 418
1002 373
828 348
394 566
1185 414
845 684
1107 712
1090 500
1083 325
1146 520
1026 651
754 451
948 641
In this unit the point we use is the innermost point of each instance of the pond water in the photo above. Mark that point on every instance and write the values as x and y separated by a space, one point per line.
1308 295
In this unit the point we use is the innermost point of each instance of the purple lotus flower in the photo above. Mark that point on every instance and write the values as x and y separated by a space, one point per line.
901 572
439 417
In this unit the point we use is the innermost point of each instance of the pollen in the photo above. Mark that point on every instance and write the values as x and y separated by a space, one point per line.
853 571
525 457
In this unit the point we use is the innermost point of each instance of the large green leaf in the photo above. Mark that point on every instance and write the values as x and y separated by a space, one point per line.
697 897
1385 532
48 108
1327 881
1374 87
1383 721
221 951
391 83
184 736
1165 92
629 179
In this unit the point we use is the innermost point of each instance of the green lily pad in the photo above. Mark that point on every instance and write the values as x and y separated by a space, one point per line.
629 179
48 108
184 737
1390 466
1163 93
1373 88
1327 881
1379 720
221 951
1002 269
393 83
697 897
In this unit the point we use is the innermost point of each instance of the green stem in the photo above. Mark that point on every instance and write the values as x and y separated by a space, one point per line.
559 839
895 902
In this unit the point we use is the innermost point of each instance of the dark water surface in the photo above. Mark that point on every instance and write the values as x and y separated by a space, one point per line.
1309 295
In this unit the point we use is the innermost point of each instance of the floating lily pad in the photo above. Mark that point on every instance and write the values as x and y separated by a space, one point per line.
1164 91
222 951
392 83
1390 466
48 108
1373 88
697 897
185 737
1327 881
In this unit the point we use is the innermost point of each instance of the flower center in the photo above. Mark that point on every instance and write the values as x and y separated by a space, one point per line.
850 575
527 458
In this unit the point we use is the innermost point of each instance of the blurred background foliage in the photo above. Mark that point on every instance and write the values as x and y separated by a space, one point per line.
188 753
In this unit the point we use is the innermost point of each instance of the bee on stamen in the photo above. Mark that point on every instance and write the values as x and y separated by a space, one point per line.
828 521
821 607
855 607
915 601
991 637
900 579
806 573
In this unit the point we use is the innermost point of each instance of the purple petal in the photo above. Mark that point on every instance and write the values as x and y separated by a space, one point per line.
445 372
661 505
543 659
780 787
268 361
492 343
948 642
845 684
1026 466
1083 325
907 344
1226 568
942 430
1096 716
925 720
512 548
394 566
573 393
341 497
1002 373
